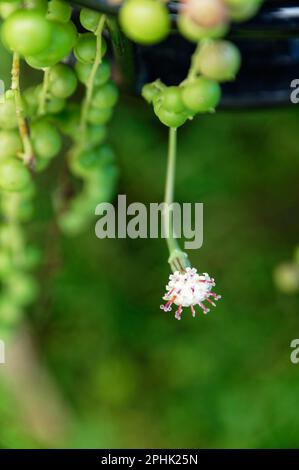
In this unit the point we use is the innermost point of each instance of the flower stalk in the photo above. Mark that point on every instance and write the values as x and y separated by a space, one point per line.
91 78
27 154
178 260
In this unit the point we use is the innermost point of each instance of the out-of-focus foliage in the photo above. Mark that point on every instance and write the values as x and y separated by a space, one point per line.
134 376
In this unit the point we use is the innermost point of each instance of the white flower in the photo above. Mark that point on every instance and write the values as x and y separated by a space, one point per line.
188 289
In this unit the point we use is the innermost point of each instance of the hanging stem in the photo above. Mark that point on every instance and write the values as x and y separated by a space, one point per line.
44 92
27 155
169 190
91 78
193 69
178 260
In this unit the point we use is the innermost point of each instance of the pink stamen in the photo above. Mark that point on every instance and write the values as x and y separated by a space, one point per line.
216 297
204 308
167 306
192 310
206 281
178 313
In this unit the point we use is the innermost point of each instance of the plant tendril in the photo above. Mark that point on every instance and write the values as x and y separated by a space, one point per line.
27 154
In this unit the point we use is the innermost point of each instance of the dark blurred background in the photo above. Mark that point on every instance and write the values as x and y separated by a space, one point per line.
124 373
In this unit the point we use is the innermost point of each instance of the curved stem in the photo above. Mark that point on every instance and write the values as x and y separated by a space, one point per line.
193 66
44 92
91 78
27 155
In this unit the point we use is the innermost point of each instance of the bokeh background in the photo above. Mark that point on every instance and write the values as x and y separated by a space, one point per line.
98 364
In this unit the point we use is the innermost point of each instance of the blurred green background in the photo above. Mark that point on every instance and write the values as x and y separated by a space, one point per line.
127 374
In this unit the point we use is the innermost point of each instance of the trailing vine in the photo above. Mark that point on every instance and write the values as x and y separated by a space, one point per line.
71 108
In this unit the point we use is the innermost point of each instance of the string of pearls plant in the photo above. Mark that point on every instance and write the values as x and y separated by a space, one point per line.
67 114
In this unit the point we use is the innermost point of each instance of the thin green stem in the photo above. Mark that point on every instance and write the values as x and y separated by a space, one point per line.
193 67
44 92
169 190
178 260
91 78
27 154
171 165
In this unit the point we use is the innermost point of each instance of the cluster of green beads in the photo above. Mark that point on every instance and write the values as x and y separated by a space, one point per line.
41 122
214 61
91 158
